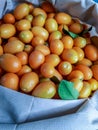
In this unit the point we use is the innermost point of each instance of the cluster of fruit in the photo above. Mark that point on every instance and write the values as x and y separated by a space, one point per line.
41 47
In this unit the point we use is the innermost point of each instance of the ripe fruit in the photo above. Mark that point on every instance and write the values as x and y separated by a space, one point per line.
64 68
75 74
67 41
7 31
94 84
26 36
39 20
23 24
56 46
9 18
63 18
85 70
86 90
70 55
47 70
21 11
94 69
76 27
40 31
78 84
48 7
80 53
23 57
91 52
55 35
14 46
10 63
24 69
37 40
36 58
37 11
28 81
80 42
53 59
10 80
45 89
44 49
51 25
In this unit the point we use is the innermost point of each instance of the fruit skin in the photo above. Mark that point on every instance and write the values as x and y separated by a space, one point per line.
23 24
86 90
70 55
7 31
10 80
45 89
39 20
24 69
23 57
48 7
28 81
26 36
14 46
94 69
85 70
40 31
63 18
56 46
64 68
21 11
9 18
91 52
78 84
47 70
10 63
36 58
51 25
37 11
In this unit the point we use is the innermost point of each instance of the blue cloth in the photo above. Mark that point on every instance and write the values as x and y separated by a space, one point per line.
96 1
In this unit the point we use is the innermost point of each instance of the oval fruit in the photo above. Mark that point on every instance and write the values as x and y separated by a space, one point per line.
40 31
63 18
45 89
51 25
26 36
10 80
10 63
28 81
14 46
7 31
23 24
21 11
36 58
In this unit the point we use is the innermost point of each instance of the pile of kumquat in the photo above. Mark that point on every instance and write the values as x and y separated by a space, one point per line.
40 47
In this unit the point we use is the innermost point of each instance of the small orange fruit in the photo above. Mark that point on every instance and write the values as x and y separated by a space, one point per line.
67 41
36 58
91 52
56 46
64 68
47 70
94 69
10 80
85 70
70 55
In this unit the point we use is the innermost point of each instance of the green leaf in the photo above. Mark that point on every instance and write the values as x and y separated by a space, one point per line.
85 31
73 35
67 91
